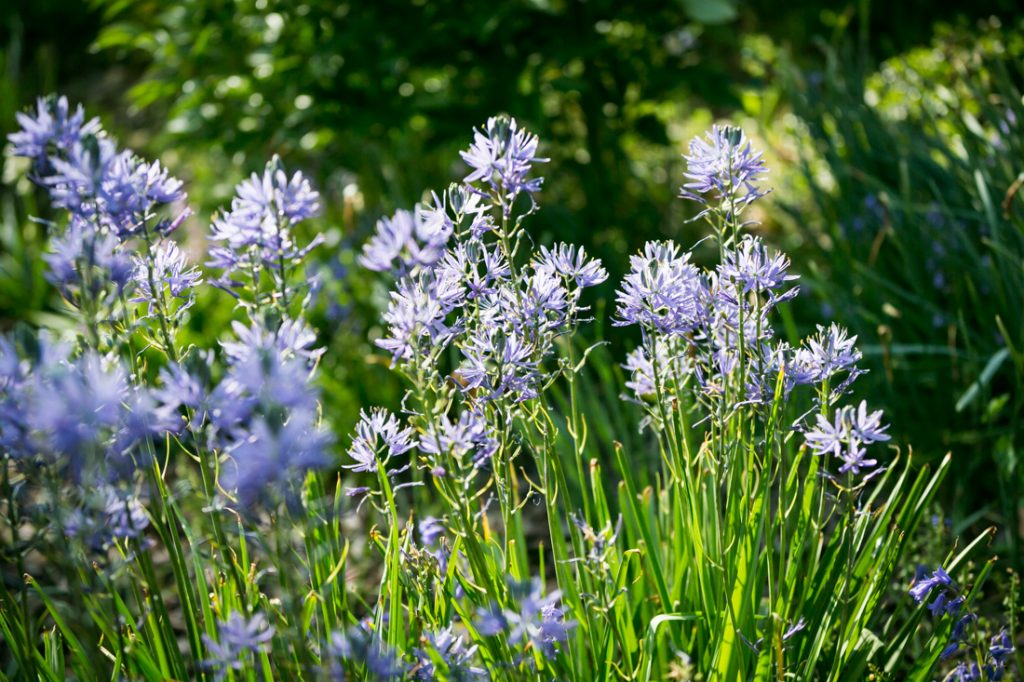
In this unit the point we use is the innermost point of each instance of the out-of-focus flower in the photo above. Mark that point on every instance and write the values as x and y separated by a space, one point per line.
52 131
79 414
359 647
673 364
431 528
81 255
453 652
265 413
236 636
270 454
537 619
291 339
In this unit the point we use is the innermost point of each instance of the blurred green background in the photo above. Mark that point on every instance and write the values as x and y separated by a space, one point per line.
894 133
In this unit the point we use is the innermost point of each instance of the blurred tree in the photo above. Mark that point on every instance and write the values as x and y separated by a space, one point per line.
381 95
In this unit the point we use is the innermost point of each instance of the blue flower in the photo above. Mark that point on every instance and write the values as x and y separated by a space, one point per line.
537 619
106 515
463 264
1000 648
830 351
130 191
406 241
52 131
965 672
502 156
491 620
178 387
291 339
359 647
431 528
470 434
113 189
751 268
453 652
257 231
265 413
572 263
125 515
236 636
663 292
500 365
844 437
725 168
171 273
417 312
266 454
80 249
673 363
924 582
78 175
379 437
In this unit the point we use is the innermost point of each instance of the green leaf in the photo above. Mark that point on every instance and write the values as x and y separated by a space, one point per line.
991 367
710 11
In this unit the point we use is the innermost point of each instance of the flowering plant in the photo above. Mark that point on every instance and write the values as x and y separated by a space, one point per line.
192 501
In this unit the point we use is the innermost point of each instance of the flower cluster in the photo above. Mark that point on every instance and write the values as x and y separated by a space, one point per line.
103 460
86 174
949 601
715 326
537 619
79 413
236 637
458 284
663 291
257 234
111 198
846 436
702 322
501 157
827 353
105 517
724 168
359 646
456 659
265 412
